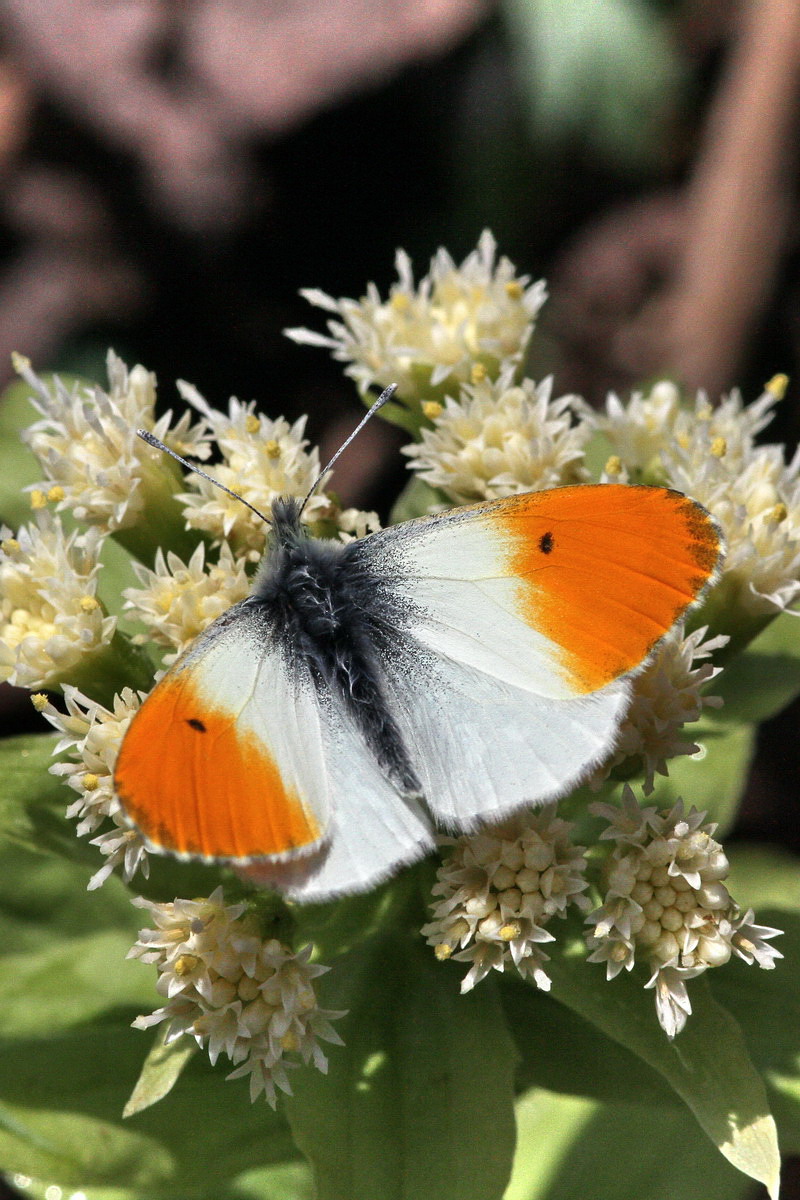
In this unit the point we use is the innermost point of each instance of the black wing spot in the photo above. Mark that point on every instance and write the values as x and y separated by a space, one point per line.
546 543
196 724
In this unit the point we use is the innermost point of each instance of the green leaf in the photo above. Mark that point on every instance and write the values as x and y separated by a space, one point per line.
715 780
708 1064
568 1149
418 1103
18 465
33 802
763 877
765 678
160 1072
561 1052
70 982
61 1101
603 72
417 499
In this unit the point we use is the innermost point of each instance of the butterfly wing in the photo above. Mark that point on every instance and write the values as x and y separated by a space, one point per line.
237 755
523 620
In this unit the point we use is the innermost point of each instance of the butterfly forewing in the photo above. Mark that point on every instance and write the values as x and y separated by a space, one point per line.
560 591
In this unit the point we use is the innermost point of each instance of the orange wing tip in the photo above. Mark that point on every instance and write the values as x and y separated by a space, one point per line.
197 787
606 571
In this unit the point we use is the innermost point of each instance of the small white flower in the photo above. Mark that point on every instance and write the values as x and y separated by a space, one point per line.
177 601
262 460
87 445
498 439
499 890
665 903
638 430
432 334
711 455
667 695
50 617
234 992
92 736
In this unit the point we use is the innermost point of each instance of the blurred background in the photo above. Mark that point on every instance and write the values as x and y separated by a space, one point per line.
173 171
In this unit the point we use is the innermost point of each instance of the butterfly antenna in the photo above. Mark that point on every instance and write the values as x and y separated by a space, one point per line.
385 395
153 441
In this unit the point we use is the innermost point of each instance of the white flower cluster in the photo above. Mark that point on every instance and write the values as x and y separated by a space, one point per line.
50 617
178 600
228 988
710 453
499 438
87 445
499 889
667 694
430 335
666 904
262 460
92 735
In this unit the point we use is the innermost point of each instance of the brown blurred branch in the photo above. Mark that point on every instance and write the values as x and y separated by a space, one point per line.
737 210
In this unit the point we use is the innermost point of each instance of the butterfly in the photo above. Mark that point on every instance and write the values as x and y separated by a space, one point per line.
444 672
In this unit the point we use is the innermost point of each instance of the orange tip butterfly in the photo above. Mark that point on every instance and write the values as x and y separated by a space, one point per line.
440 673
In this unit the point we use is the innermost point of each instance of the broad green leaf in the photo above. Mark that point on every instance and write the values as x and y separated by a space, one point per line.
69 982
33 802
570 1149
44 901
763 877
160 1072
762 680
61 1101
419 1101
285 1181
708 1064
561 1052
713 781
767 1003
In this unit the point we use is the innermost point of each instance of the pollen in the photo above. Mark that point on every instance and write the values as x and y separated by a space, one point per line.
20 362
272 448
40 701
90 781
400 302
614 465
442 951
477 373
719 447
777 386
185 964
432 409
514 289
89 604
779 513
56 494
9 545
252 423
38 499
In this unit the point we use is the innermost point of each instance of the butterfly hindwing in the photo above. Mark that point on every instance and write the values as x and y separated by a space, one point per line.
225 757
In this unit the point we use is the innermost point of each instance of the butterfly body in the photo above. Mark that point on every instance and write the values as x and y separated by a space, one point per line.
443 672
